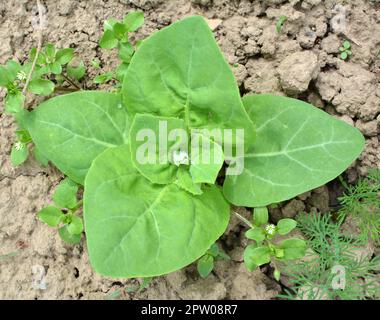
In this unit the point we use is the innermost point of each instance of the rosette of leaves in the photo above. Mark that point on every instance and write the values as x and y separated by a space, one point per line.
144 220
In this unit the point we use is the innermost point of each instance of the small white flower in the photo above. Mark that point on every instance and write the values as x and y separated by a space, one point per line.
270 229
180 157
19 146
21 75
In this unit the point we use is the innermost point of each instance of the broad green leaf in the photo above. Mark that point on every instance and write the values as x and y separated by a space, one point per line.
71 130
205 265
185 181
134 20
14 102
65 195
260 216
155 142
64 56
180 72
119 31
298 148
284 226
75 226
293 248
206 159
108 24
256 234
41 86
67 236
256 256
108 40
346 44
19 153
77 72
50 215
344 55
40 158
138 229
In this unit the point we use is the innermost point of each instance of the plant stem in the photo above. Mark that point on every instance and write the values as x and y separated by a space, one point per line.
71 82
39 45
79 204
243 219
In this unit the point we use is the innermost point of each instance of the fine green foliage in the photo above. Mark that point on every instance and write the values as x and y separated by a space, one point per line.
345 50
147 218
297 148
70 226
280 22
266 249
206 263
336 270
362 203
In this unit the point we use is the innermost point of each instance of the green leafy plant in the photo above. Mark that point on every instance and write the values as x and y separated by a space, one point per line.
148 219
206 263
116 36
70 226
362 203
266 249
345 50
314 277
280 22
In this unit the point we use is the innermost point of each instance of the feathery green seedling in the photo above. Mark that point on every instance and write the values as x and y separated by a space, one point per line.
345 50
265 249
70 226
206 263
335 261
362 203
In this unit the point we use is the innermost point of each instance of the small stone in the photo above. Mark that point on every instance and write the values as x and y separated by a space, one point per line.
369 129
297 70
293 208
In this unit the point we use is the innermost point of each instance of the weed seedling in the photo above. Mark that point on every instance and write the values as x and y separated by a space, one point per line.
280 22
345 50
206 263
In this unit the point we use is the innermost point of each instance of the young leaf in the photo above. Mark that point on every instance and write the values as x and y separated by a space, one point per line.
185 181
14 102
298 148
5 77
260 216
50 51
50 215
121 207
64 126
102 78
280 22
186 78
256 234
77 72
108 40
277 274
346 44
75 226
65 195
284 226
206 159
205 265
344 55
19 153
67 236
64 56
41 86
256 256
56 68
293 248
153 160
23 136
126 52
119 31
133 21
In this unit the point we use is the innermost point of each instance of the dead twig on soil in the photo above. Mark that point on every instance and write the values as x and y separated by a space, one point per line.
39 45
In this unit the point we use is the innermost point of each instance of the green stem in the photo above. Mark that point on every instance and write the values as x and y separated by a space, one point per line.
79 204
